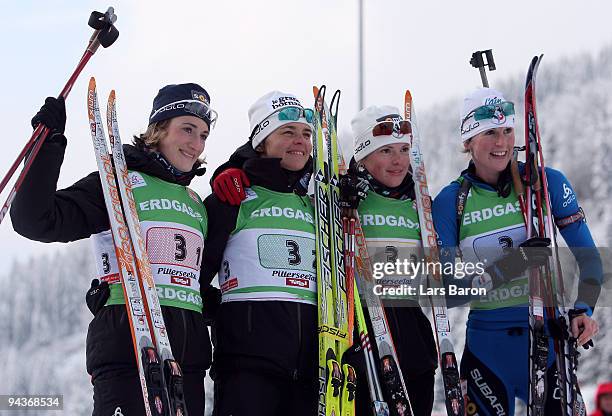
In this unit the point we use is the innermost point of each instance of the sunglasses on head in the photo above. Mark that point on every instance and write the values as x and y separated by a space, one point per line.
489 111
387 128
288 114
295 113
195 107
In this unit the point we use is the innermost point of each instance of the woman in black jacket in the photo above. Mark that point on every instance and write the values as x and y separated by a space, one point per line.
162 162
263 252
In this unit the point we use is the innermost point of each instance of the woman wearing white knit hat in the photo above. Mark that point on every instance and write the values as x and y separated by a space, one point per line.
484 227
263 251
391 227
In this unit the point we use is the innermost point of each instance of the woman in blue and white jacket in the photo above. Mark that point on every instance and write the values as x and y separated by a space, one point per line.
495 358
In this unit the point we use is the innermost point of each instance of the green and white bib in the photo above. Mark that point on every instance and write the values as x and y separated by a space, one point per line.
490 224
270 255
174 223
392 233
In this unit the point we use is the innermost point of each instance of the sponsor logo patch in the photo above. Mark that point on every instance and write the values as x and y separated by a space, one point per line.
232 283
297 283
197 95
137 180
184 281
193 195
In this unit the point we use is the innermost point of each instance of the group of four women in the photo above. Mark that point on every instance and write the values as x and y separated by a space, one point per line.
257 233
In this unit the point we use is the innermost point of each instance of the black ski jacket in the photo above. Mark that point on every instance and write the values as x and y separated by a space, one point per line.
42 213
273 337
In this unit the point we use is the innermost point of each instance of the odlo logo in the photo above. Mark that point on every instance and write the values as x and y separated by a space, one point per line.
260 127
362 146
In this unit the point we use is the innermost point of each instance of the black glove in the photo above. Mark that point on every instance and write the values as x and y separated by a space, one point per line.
97 295
353 190
211 300
53 115
531 253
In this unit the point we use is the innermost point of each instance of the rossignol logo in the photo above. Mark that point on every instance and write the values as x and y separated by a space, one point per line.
167 204
389 220
283 212
485 214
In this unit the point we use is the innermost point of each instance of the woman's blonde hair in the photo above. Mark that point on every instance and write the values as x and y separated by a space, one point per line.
152 136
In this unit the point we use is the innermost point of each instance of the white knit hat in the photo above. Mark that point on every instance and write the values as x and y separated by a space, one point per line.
262 125
470 127
365 120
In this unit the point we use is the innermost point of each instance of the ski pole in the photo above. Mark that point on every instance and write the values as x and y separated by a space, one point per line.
477 61
105 34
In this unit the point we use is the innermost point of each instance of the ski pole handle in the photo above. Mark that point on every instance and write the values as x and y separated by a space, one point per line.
105 34
477 61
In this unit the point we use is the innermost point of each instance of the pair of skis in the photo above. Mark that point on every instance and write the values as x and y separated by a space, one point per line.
336 379
545 284
160 375
453 397
390 396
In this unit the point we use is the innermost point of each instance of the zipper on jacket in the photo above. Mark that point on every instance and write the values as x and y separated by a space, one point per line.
299 326
249 317
182 359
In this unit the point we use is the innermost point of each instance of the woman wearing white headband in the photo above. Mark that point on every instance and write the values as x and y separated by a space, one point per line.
496 349
391 227
263 251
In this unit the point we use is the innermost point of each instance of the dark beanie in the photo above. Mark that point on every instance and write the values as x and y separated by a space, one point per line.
176 100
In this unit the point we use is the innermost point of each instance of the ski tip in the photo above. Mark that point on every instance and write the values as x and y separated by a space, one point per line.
407 96
408 105
111 96
92 83
319 94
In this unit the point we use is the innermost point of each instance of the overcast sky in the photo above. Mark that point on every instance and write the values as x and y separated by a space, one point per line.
239 50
